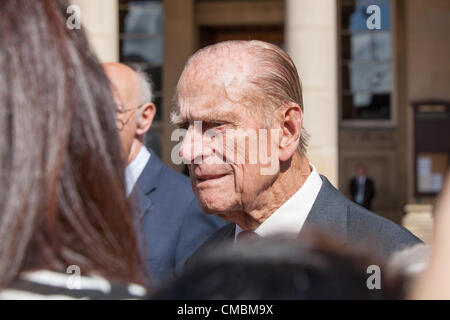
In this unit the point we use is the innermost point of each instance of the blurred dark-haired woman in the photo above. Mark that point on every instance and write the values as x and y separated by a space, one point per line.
66 229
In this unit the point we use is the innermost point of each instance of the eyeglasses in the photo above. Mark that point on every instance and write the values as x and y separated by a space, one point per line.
120 110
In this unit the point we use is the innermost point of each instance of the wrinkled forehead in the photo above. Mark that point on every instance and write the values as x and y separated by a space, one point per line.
210 106
223 74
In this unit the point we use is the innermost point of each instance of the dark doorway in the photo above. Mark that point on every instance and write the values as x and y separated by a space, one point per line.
272 34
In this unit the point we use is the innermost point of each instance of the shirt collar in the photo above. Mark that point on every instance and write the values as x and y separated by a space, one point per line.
135 168
290 217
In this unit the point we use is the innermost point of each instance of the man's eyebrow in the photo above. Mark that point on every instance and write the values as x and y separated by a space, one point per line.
216 115
177 118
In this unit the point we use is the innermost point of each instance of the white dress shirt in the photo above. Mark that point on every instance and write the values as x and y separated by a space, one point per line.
290 217
361 186
135 168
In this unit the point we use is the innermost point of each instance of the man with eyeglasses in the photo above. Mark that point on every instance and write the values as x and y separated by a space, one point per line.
172 222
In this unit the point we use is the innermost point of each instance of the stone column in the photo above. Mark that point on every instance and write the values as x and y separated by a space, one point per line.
419 220
179 43
100 20
311 41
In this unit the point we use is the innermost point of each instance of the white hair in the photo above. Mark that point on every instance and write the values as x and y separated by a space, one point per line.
144 89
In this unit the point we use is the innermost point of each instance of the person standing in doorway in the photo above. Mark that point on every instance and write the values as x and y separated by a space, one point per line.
362 188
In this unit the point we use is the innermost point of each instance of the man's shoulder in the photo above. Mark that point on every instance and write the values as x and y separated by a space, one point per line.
390 236
359 224
358 216
369 180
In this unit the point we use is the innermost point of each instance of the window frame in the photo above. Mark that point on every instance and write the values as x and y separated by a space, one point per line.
369 123
156 94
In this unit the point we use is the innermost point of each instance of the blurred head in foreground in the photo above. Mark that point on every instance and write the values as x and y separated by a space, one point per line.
62 199
283 268
434 281
410 262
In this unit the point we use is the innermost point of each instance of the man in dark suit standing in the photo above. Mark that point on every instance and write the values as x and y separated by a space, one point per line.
362 188
172 224
240 106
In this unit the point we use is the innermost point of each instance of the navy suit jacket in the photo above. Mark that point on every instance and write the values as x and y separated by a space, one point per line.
333 214
170 221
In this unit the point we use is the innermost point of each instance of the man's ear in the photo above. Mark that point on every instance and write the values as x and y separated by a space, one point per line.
291 126
145 119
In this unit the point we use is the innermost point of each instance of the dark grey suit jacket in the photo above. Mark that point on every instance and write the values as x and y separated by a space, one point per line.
333 214
170 222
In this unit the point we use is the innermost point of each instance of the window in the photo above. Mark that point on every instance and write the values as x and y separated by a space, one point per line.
141 38
366 76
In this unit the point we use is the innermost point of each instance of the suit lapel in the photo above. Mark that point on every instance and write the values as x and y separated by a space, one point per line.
228 232
221 237
329 211
147 184
141 203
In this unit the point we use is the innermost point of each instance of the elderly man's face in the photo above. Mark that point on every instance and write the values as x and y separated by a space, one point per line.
126 123
123 84
222 182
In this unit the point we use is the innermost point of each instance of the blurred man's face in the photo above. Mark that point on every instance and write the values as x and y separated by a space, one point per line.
222 182
361 171
124 82
126 123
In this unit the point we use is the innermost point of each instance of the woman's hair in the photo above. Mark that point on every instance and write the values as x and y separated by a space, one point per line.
62 197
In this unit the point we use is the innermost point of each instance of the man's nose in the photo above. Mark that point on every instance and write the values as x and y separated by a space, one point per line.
191 148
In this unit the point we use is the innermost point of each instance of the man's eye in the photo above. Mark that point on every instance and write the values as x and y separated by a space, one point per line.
212 125
183 125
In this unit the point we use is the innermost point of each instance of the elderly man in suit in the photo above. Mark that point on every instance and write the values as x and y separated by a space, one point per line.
250 91
172 224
